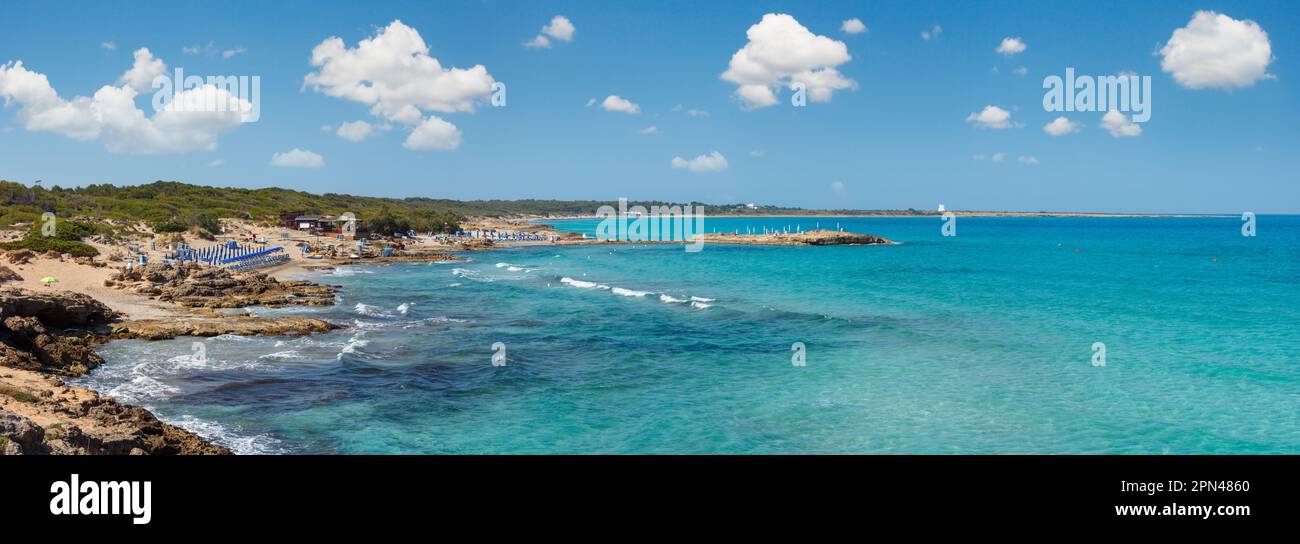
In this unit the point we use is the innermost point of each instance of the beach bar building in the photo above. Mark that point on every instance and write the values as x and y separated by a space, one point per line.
319 224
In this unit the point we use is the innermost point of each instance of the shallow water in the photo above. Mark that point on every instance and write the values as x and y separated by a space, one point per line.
979 343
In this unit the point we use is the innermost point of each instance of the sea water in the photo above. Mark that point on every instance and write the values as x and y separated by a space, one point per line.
984 342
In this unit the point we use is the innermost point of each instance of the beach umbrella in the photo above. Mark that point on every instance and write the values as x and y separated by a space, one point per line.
49 280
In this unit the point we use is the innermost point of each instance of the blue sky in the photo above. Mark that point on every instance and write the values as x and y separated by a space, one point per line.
899 138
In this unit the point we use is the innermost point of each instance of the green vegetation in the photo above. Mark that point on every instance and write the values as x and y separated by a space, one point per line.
66 239
18 394
169 205
170 226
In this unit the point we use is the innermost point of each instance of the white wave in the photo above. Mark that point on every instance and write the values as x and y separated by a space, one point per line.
367 310
345 271
700 305
702 299
352 347
141 389
503 265
443 319
453 285
359 324
517 269
582 284
233 438
629 292
671 299
280 355
470 275
404 307
232 338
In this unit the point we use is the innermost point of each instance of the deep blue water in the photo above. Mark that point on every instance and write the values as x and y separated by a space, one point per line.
979 343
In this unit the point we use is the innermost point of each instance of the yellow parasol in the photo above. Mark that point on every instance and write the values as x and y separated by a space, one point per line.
49 280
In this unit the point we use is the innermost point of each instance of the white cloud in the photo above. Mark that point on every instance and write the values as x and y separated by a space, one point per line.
1027 159
997 157
648 130
140 76
617 103
837 186
1119 125
991 117
232 52
297 158
1011 46
853 26
215 163
757 153
560 28
355 131
433 134
1020 71
188 123
1215 50
781 52
394 74
978 157
1061 126
931 34
111 46
697 113
591 102
713 162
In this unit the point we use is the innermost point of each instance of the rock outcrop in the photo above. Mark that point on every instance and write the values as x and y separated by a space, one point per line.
7 275
42 415
36 347
216 325
197 286
51 331
20 256
808 238
62 309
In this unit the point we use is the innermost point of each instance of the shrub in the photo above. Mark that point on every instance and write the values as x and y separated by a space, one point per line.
169 226
41 244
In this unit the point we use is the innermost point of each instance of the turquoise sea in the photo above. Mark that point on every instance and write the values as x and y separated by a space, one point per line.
978 343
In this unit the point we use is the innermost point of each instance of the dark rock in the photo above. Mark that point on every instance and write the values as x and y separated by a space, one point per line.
56 308
7 275
20 435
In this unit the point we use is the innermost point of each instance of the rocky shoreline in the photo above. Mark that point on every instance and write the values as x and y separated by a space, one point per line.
46 335
194 286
